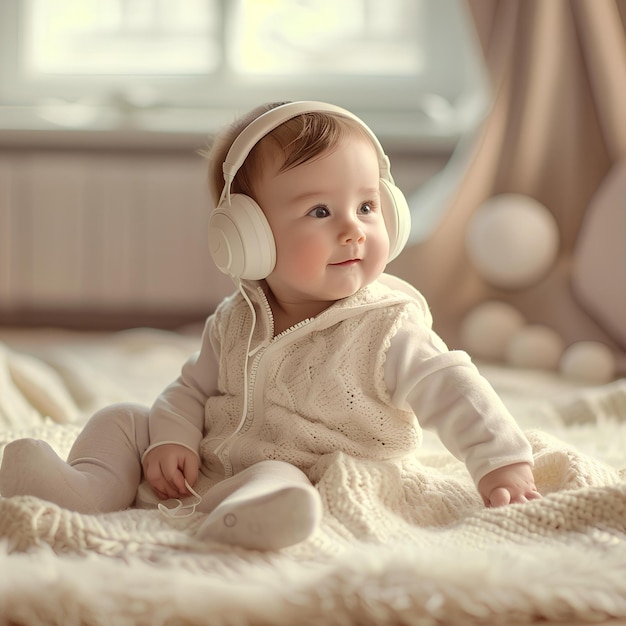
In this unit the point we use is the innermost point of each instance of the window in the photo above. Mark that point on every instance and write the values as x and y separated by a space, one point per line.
118 37
411 68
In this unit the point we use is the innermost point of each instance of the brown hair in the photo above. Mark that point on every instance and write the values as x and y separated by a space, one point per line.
298 140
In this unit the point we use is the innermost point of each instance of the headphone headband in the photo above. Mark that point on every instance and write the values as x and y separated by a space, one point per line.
268 121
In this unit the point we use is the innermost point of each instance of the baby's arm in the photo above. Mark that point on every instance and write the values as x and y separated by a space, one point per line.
447 394
510 484
176 424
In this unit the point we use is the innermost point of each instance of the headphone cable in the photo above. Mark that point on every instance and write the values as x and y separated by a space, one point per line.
249 353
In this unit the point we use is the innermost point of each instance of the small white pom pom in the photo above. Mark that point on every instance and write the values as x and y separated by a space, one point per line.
535 346
588 361
487 329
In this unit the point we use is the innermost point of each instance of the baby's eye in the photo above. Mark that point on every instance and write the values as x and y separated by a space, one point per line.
319 211
366 208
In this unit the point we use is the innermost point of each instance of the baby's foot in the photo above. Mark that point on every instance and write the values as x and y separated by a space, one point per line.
30 467
268 521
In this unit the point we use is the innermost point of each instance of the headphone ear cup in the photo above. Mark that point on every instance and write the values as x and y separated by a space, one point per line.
241 240
397 217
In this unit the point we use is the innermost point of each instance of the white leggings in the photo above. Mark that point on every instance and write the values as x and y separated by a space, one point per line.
110 447
103 472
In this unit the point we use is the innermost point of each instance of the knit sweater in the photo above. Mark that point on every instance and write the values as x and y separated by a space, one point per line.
363 378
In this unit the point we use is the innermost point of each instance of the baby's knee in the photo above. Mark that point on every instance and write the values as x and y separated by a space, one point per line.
123 414
279 469
128 418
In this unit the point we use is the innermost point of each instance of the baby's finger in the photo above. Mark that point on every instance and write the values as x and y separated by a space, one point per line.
178 483
499 497
155 479
160 487
190 471
173 479
166 486
161 494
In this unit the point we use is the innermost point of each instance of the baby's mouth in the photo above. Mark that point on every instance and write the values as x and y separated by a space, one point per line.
346 263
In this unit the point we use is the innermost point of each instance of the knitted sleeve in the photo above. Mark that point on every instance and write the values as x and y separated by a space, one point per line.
178 414
448 395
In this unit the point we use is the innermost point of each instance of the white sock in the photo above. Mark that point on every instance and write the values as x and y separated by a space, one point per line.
30 467
273 506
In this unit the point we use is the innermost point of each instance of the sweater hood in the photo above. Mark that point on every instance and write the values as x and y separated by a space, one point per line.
384 292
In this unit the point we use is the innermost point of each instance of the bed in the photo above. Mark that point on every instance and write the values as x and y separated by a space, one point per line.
376 559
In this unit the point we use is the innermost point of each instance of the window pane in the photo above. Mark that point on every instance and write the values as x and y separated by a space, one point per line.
326 36
187 64
121 37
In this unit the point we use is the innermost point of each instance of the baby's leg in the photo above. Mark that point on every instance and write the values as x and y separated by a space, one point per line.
268 506
103 468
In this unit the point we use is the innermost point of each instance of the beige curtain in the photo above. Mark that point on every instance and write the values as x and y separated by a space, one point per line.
557 126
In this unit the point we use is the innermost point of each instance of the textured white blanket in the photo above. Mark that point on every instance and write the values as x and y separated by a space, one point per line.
409 545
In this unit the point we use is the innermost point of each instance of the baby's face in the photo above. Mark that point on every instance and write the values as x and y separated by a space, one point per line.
328 225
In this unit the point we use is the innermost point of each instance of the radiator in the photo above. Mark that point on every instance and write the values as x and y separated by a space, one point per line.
105 231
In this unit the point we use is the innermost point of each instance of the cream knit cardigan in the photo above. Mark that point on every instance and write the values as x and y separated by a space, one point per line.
363 378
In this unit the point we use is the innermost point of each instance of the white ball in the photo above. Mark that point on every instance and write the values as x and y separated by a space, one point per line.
487 329
512 240
589 361
535 346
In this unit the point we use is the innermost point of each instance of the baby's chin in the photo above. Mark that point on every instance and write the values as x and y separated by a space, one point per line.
349 289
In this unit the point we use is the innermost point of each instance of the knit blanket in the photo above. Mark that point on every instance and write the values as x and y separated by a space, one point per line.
398 544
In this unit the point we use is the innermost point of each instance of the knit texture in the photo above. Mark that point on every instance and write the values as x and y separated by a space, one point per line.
386 528
320 393
322 386
400 543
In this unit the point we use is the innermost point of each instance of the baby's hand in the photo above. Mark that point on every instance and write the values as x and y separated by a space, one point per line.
167 467
510 484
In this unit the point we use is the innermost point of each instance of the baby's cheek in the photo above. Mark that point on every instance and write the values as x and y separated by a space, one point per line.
381 251
304 260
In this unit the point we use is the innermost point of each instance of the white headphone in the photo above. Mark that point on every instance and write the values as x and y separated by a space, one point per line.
241 241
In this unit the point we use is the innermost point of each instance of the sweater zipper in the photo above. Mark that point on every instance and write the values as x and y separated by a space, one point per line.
254 369
257 354
223 450
257 377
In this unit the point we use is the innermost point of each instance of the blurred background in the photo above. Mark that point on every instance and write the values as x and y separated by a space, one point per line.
103 106
484 106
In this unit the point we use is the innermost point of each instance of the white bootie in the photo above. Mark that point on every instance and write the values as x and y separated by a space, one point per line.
269 511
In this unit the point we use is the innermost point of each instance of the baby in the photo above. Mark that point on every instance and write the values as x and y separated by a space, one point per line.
317 351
